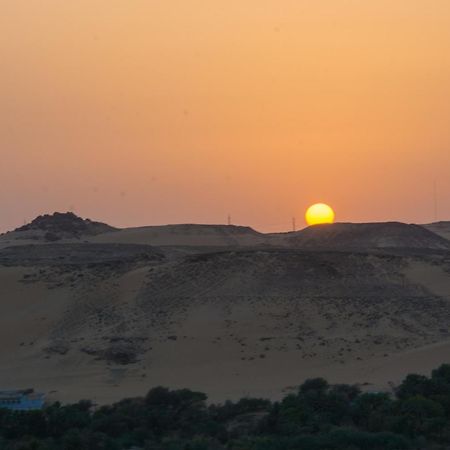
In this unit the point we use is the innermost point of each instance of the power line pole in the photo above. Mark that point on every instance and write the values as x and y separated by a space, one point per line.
229 219
435 200
294 225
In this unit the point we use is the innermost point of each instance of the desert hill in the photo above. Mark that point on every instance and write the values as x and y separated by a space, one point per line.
67 227
187 235
440 228
75 254
345 236
234 322
223 309
55 227
339 236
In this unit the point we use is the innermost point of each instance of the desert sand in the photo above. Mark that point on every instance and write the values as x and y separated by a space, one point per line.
234 313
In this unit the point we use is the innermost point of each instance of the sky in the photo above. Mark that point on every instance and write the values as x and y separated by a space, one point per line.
140 112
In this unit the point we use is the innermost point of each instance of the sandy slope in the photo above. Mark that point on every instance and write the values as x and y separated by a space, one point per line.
346 236
337 236
440 228
185 235
230 323
433 277
222 309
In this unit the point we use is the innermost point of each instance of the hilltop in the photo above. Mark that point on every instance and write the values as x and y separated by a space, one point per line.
57 227
191 235
352 236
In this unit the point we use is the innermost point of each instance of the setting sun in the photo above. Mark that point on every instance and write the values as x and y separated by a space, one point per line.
319 213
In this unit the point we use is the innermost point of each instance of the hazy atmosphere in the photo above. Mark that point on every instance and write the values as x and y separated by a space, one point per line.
225 225
149 112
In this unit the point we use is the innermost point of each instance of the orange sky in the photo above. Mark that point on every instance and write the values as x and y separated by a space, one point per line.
163 111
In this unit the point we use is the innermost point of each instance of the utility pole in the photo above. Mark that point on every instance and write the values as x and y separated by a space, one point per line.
229 219
435 200
294 225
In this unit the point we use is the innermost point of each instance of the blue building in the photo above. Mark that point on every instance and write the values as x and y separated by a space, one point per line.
21 400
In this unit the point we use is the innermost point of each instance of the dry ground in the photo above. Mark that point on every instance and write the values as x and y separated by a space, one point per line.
106 322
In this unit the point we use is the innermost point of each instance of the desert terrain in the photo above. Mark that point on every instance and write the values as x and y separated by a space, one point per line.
91 311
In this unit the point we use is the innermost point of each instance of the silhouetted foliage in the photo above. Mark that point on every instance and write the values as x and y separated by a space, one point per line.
319 416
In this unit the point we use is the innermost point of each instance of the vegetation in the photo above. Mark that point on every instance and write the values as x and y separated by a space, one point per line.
318 416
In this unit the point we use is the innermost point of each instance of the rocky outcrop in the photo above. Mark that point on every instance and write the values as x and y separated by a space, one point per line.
59 226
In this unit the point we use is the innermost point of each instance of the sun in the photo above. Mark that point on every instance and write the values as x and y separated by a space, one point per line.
319 213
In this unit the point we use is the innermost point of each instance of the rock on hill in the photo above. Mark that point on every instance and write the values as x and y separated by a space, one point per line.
59 226
356 236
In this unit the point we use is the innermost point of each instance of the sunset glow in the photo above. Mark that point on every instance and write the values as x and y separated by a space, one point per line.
151 112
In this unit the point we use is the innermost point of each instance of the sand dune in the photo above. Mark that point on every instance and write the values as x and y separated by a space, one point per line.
231 323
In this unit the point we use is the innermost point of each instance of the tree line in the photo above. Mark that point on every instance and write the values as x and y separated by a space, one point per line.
318 416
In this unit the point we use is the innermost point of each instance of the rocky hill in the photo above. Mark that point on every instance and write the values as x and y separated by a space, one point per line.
59 226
